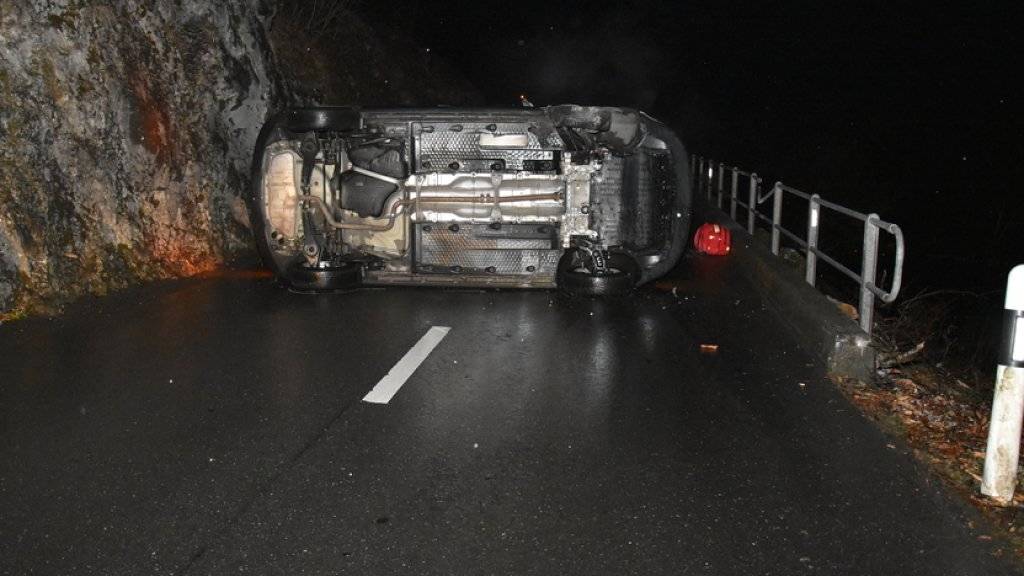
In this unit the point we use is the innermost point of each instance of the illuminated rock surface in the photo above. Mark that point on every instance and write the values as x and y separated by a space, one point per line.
126 132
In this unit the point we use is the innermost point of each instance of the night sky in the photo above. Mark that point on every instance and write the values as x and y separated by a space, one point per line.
888 108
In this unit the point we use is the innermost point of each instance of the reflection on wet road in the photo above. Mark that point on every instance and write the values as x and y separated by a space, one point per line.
215 426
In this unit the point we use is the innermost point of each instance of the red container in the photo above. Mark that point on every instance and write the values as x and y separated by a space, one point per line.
713 240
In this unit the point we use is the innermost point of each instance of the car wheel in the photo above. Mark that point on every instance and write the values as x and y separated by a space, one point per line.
574 278
307 279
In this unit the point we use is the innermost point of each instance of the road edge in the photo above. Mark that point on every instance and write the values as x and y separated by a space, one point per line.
817 324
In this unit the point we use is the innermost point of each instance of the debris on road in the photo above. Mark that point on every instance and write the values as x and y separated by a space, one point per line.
848 310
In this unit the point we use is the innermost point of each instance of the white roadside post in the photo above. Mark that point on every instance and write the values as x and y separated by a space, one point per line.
1001 456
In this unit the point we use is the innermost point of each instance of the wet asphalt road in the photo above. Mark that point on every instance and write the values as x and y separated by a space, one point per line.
215 426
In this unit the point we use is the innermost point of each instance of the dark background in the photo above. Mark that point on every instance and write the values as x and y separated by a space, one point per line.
910 110
912 113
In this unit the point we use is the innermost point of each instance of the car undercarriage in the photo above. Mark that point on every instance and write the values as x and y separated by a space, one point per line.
593 200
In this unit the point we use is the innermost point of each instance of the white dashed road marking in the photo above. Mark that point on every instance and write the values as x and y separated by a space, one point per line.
390 384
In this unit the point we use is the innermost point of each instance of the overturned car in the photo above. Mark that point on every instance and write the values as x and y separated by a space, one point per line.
592 200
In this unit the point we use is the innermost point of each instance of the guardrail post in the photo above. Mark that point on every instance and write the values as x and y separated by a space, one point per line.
732 196
752 204
868 268
813 216
1002 454
721 177
777 218
708 179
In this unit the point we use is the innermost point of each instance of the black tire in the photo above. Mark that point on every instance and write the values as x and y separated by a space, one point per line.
620 279
289 124
343 277
279 262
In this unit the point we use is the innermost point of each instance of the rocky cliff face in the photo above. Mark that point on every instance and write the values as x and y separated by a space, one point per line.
127 128
126 133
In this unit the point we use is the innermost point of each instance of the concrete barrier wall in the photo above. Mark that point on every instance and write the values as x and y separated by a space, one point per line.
815 321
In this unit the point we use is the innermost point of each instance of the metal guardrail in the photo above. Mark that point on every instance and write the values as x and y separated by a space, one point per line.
708 171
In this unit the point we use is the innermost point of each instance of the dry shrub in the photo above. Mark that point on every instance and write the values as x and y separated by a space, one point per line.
960 330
